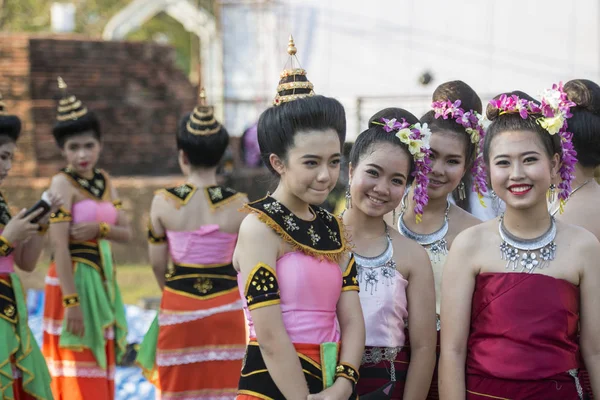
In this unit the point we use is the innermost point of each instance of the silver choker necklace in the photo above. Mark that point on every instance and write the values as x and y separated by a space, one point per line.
436 241
526 255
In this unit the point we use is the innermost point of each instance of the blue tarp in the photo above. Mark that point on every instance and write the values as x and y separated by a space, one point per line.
129 381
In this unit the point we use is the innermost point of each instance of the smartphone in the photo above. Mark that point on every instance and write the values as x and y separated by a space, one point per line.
43 203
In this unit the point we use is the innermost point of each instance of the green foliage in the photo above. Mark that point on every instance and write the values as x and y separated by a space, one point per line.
92 15
164 29
34 15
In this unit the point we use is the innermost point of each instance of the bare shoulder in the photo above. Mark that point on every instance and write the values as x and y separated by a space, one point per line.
159 203
462 219
578 238
237 203
414 252
254 230
60 182
473 237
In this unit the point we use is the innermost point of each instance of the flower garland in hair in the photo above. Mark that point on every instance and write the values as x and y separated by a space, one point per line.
555 110
475 125
416 138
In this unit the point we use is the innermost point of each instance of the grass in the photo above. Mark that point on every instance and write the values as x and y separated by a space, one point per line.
135 281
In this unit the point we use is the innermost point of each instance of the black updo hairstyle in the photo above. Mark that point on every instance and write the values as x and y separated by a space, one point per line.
514 122
469 100
376 134
64 130
278 125
10 129
585 122
202 150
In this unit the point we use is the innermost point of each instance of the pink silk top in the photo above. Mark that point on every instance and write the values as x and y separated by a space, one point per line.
206 245
383 299
523 326
309 292
7 264
89 210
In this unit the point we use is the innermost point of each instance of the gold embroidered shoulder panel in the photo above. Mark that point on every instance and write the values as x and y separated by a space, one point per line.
182 193
349 277
321 237
5 215
219 196
61 215
96 188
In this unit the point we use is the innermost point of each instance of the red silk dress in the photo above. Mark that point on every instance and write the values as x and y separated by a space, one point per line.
523 341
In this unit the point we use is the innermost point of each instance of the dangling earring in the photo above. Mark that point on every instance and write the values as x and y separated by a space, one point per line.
493 195
461 191
348 198
394 217
552 193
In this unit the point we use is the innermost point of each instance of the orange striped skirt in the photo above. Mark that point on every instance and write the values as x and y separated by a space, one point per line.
200 346
75 374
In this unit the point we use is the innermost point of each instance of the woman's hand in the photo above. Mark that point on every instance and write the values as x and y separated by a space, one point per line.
84 231
20 227
340 390
74 318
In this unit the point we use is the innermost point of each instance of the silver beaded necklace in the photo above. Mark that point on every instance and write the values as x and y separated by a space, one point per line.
435 241
526 255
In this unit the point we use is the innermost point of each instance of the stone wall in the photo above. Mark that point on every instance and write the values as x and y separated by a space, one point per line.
134 88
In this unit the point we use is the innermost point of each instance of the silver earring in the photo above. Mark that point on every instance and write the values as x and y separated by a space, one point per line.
461 191
552 193
348 198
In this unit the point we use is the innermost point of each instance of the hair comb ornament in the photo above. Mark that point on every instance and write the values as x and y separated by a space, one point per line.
416 137
69 107
554 111
475 126
202 120
293 83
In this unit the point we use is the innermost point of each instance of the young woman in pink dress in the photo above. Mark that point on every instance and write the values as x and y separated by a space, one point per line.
199 330
296 277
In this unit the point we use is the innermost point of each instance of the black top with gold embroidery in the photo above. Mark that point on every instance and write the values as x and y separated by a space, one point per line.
95 188
182 193
5 215
323 236
218 196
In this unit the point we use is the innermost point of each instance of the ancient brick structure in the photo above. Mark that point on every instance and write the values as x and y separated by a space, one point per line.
133 87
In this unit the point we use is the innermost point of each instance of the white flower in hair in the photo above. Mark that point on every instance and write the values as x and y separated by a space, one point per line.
425 133
552 97
483 121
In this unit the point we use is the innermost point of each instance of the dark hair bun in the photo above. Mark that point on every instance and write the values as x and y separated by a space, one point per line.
63 130
585 120
390 113
584 93
458 90
10 126
492 112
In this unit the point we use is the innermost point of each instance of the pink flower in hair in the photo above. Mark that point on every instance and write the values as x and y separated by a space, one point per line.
474 125
554 110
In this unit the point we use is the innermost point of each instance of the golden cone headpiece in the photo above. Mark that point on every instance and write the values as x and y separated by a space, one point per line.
202 120
293 83
69 107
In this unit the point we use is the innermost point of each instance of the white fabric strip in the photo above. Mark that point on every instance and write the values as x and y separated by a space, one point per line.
184 356
73 369
180 317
